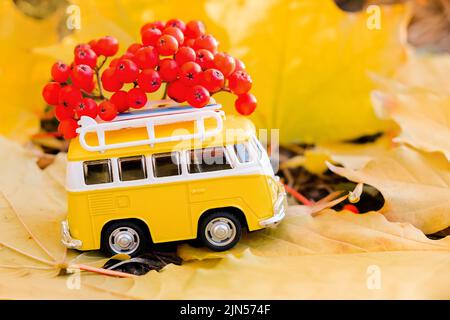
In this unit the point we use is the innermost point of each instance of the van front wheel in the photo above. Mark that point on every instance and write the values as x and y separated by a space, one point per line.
220 231
125 237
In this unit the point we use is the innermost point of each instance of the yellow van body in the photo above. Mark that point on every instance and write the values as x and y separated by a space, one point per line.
171 210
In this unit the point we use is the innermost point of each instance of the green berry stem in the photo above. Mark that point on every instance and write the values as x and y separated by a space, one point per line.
224 89
97 75
92 96
100 90
102 63
99 84
164 96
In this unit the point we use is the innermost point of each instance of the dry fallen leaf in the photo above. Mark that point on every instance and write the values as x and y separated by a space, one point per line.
415 185
351 155
328 256
424 119
330 232
425 72
32 206
321 256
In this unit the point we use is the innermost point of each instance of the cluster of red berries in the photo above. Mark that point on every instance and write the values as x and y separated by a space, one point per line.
182 56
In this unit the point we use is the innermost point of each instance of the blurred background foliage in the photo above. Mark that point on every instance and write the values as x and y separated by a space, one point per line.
309 59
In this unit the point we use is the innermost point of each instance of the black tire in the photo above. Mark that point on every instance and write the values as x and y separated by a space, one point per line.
127 229
207 238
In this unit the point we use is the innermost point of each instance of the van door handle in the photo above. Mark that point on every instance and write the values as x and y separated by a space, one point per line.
198 191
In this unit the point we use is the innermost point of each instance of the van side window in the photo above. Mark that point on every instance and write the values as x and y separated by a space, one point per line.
96 172
166 164
132 168
207 160
242 153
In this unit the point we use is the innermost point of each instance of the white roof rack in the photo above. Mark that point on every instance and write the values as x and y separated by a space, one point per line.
151 118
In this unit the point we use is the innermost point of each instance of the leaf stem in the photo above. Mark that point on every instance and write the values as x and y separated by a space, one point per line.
101 271
297 195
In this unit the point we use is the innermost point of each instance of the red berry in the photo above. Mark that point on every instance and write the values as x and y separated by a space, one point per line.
86 56
82 76
81 46
150 36
146 58
119 99
206 41
107 111
198 96
89 87
351 207
205 59
176 23
240 82
129 56
189 42
185 54
68 128
69 96
62 112
152 25
134 47
87 107
149 80
107 46
114 62
213 80
126 71
245 104
51 93
177 91
189 73
168 70
194 29
167 45
60 72
225 63
176 33
93 44
110 81
136 98
240 66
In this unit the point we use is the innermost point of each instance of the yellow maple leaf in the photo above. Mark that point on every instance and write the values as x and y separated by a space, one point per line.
308 59
22 73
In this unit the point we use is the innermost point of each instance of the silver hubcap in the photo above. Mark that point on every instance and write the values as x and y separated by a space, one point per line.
124 240
220 231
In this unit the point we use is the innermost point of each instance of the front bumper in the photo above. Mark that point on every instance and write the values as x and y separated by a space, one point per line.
279 211
67 239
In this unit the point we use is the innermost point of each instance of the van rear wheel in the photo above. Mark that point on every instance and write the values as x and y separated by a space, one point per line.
220 231
126 237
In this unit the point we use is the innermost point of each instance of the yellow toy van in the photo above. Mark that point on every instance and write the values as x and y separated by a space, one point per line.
168 174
